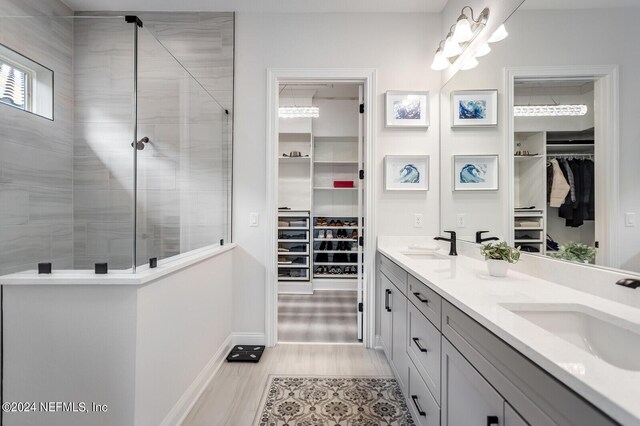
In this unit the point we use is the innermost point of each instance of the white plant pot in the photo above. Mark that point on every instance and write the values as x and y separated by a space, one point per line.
497 268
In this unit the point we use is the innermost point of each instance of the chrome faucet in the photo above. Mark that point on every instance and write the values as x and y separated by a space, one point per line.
452 240
629 283
481 240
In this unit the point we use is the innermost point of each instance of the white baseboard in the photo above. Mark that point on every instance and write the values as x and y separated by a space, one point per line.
248 339
181 409
286 287
335 285
378 342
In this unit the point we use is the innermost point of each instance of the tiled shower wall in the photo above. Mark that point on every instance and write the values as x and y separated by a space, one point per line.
184 172
36 214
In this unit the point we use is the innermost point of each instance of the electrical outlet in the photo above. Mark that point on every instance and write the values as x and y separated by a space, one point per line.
630 220
418 220
254 219
460 221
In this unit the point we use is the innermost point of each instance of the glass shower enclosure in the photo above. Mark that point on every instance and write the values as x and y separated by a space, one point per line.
134 162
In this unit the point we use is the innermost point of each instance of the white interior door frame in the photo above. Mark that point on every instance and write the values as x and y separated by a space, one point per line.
275 77
606 116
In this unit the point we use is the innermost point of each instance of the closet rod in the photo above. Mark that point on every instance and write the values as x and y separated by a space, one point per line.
576 156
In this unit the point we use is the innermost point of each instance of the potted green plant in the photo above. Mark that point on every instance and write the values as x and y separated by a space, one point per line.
499 256
576 252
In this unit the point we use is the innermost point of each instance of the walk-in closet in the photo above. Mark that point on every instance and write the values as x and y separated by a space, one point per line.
554 168
320 215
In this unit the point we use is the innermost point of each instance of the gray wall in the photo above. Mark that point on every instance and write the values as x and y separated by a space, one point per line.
36 217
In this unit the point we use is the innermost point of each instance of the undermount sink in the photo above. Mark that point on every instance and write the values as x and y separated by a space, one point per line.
423 255
609 338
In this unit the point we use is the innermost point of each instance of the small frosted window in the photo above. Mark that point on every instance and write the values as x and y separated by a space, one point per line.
14 85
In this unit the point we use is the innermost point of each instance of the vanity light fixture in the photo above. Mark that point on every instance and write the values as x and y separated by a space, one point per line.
451 47
298 112
549 110
460 35
440 62
483 50
470 64
498 35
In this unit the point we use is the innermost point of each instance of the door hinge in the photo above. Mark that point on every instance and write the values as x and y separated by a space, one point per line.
361 174
360 307
361 108
361 241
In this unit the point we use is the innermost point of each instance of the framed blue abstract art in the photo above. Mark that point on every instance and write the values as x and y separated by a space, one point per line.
475 172
406 109
474 108
406 172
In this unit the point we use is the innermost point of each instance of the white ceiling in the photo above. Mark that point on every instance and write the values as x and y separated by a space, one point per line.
291 6
319 6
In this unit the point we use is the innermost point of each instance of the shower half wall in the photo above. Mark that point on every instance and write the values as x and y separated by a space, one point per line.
67 184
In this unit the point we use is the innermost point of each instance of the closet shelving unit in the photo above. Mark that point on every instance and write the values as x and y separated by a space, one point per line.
530 191
293 223
319 239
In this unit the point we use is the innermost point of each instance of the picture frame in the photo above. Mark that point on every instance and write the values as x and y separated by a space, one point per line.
475 172
407 109
406 172
474 108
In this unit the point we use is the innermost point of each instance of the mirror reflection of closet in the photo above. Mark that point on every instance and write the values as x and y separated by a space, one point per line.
554 173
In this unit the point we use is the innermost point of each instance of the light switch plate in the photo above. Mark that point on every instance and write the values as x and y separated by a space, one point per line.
630 219
254 219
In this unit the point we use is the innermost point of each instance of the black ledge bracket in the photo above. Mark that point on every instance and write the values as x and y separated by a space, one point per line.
131 19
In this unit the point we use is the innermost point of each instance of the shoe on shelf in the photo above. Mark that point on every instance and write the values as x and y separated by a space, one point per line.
339 223
332 223
323 246
321 234
339 246
330 245
354 234
329 234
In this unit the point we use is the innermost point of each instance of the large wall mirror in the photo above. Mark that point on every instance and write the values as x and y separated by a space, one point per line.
556 175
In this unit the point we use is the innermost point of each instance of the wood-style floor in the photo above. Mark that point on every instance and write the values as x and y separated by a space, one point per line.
234 394
325 316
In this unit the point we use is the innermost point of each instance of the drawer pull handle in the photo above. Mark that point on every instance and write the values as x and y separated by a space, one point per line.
414 398
493 421
386 300
418 345
420 298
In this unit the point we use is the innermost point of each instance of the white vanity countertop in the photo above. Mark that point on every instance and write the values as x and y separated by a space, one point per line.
465 283
143 275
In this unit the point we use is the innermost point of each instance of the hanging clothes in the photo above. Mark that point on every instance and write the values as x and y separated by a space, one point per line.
576 210
559 188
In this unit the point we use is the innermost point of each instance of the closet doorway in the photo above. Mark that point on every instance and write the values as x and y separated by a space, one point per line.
320 282
562 146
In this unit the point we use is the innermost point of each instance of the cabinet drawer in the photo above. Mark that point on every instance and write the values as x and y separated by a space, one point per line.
424 349
396 274
426 300
424 409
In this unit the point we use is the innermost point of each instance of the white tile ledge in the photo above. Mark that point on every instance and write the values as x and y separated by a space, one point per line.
143 275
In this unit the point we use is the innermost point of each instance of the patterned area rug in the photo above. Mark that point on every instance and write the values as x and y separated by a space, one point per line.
332 401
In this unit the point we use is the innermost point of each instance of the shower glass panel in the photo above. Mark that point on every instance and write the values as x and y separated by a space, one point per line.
62 197
184 160
68 180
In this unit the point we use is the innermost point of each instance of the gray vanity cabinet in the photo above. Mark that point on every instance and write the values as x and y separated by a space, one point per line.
511 418
386 316
393 321
467 398
455 372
